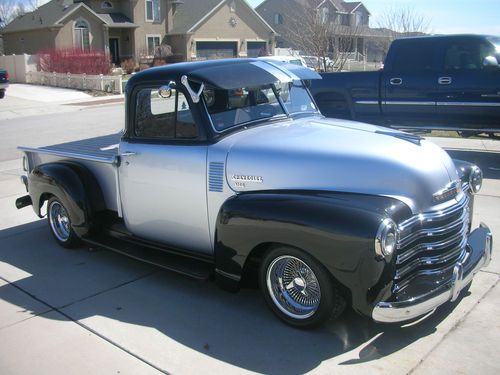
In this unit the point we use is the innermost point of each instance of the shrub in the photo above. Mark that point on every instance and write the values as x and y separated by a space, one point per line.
128 65
72 60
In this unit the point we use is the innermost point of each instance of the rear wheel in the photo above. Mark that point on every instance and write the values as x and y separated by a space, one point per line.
60 224
298 289
2 94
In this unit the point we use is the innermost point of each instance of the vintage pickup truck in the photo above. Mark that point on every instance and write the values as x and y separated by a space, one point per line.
227 169
4 82
432 82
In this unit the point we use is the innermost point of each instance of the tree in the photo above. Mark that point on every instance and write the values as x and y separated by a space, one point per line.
402 22
10 9
319 33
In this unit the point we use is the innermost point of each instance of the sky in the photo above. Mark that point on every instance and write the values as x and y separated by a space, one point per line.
445 16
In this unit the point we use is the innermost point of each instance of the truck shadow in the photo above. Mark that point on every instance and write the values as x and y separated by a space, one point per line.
237 329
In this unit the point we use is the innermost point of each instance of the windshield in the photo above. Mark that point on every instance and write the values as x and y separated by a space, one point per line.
230 108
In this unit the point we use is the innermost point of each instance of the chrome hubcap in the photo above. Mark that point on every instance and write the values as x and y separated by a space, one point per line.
59 221
293 287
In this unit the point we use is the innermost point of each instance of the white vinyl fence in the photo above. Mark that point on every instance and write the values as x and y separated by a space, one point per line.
23 69
111 84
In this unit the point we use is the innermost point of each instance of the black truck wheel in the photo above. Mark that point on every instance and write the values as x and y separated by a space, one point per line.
2 94
298 289
60 224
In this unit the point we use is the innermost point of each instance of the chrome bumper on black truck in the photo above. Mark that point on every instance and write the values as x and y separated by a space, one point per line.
437 259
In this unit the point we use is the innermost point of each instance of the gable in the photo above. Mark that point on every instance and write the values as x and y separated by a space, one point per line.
239 22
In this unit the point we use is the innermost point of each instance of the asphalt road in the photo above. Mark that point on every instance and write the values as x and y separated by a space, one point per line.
94 311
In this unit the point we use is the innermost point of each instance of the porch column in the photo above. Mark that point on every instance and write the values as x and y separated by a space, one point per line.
105 34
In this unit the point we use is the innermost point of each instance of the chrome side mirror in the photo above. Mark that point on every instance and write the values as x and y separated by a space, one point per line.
490 61
166 91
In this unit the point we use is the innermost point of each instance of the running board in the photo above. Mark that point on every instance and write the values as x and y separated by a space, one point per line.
191 267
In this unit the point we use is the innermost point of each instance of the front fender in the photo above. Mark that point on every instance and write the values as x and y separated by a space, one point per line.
338 229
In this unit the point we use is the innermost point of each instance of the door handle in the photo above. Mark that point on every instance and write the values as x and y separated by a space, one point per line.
396 81
445 80
128 153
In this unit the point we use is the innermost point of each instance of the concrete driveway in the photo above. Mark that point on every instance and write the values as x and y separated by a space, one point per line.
91 311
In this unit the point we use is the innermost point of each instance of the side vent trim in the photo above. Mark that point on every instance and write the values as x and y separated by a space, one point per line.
216 177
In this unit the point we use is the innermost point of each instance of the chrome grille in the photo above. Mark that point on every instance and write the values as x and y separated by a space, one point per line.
432 243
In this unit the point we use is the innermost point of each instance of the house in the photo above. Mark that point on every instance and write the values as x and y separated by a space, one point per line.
347 19
195 29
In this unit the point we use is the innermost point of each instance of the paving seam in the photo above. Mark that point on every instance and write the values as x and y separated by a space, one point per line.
87 328
490 272
452 329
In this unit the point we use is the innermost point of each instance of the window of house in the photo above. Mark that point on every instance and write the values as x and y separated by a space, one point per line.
232 7
106 5
153 42
163 118
82 35
360 18
153 10
278 19
325 15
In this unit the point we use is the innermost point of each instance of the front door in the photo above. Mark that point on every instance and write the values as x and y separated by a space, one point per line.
163 173
114 50
469 92
409 83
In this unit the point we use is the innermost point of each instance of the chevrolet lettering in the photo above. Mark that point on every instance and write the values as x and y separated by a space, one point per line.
226 170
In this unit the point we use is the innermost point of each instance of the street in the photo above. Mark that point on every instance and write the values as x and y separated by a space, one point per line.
92 311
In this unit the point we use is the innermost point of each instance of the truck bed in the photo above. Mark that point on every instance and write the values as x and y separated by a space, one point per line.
101 149
98 154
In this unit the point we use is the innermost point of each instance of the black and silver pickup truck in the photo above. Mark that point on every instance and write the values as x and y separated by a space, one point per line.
226 169
432 82
4 82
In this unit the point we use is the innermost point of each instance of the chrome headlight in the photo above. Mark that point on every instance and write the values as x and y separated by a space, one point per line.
386 239
25 164
475 179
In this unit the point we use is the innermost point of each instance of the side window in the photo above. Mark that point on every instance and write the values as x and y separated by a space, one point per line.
466 55
411 57
166 118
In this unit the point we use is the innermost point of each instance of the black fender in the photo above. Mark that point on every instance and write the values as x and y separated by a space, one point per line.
74 185
338 229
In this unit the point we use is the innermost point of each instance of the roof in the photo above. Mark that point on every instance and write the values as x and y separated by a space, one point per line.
225 73
54 12
116 20
193 12
45 16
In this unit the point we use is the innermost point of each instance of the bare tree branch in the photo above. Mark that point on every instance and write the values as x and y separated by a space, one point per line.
10 9
321 35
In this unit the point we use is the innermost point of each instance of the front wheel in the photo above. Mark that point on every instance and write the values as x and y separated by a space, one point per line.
60 224
298 289
2 94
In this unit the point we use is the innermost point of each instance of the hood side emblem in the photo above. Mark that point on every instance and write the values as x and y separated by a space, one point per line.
240 180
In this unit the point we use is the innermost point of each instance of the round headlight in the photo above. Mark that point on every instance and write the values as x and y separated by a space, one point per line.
475 179
386 239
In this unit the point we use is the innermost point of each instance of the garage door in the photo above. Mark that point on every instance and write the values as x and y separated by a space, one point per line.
216 50
256 49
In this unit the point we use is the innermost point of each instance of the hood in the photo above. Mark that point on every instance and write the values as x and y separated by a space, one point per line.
316 153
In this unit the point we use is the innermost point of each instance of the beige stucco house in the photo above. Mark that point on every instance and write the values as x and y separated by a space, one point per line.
195 29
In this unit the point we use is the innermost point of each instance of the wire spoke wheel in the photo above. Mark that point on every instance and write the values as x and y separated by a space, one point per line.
293 287
59 221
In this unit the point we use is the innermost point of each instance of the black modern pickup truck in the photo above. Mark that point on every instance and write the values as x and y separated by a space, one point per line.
431 82
4 82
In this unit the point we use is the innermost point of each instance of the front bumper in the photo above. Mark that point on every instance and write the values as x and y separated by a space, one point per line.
480 244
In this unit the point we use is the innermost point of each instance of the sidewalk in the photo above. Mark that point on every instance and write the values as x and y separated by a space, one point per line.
485 145
23 100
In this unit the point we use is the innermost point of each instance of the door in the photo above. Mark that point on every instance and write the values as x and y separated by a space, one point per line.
409 84
469 92
163 173
114 50
256 49
216 50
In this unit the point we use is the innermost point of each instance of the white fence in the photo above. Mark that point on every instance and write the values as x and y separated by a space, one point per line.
23 69
111 84
18 66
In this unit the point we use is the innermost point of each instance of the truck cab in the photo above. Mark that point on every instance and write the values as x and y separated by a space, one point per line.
227 170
